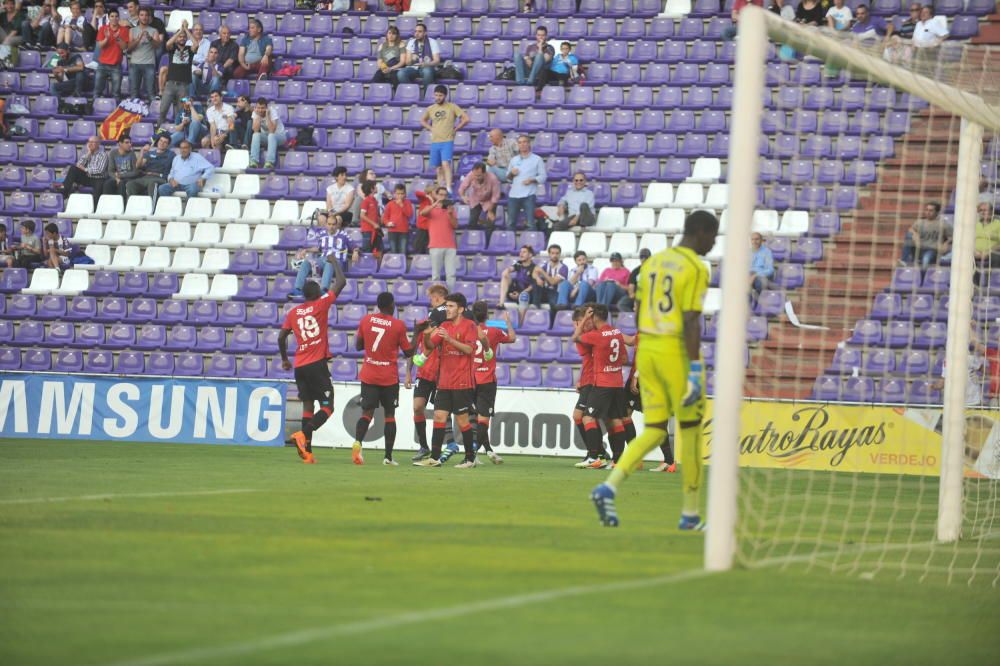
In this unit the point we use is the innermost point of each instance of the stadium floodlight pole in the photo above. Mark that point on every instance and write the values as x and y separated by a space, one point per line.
970 149
751 54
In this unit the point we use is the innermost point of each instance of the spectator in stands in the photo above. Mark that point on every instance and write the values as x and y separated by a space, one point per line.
531 58
613 281
188 172
396 220
143 43
761 264
56 249
423 55
811 12
422 237
930 31
331 240
370 220
220 118
255 52
987 251
131 17
839 16
517 280
153 166
177 85
480 190
6 258
898 51
266 127
199 45
42 30
729 32
340 196
98 19
576 208
627 302
578 288
68 75
367 176
229 52
121 167
112 40
189 123
391 58
525 173
73 30
977 385
927 239
501 153
399 6
439 120
867 27
783 9
442 222
239 132
989 192
563 67
90 170
206 77
548 277
909 24
29 250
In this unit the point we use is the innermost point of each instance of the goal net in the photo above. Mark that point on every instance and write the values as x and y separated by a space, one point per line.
869 442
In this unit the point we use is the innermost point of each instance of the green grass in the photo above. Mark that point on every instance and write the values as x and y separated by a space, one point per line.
333 546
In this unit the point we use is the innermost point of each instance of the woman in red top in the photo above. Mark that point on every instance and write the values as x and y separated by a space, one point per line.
371 226
396 220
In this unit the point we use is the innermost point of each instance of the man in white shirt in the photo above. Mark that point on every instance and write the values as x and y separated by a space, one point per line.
340 196
267 127
220 117
423 55
930 30
525 173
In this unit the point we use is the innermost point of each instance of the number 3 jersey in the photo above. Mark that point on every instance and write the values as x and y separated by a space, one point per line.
670 283
384 336
607 347
309 323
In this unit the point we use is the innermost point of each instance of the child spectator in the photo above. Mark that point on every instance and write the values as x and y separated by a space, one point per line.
396 220
371 225
29 250
57 249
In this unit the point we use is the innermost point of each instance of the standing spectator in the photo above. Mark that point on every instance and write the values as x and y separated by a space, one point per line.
909 24
153 167
121 167
439 119
423 55
220 117
811 12
563 67
98 19
112 40
613 281
6 253
178 80
866 26
189 123
761 264
525 173
480 190
987 250
839 16
330 240
369 176
29 250
927 239
576 208
188 172
56 249
255 52
729 32
68 74
391 58
627 302
131 18
396 219
421 237
442 222
143 43
42 30
532 58
517 280
90 170
207 77
73 30
199 45
501 153
370 220
229 52
548 277
578 288
340 196
266 127
930 31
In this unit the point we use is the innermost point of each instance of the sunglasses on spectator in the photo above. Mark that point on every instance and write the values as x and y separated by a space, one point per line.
578 180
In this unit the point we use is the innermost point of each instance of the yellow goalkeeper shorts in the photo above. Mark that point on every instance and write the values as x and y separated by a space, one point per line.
663 373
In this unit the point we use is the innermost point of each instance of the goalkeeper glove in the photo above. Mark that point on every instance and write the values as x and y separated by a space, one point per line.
419 360
694 390
488 354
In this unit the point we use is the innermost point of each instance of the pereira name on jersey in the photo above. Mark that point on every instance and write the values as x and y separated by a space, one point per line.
383 337
309 322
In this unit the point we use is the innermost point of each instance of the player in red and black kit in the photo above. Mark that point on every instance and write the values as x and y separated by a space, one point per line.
588 427
382 336
427 374
308 322
486 373
456 341
633 403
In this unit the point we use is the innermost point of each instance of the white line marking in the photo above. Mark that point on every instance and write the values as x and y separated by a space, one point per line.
112 496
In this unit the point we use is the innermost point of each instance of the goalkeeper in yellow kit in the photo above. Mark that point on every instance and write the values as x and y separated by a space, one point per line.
669 295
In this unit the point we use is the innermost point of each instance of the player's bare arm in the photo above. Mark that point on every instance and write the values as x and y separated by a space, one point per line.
511 335
359 341
283 348
692 334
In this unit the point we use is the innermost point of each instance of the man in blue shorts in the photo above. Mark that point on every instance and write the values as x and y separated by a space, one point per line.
440 119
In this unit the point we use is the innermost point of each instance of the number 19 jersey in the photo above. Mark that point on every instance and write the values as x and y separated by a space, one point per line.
309 322
671 282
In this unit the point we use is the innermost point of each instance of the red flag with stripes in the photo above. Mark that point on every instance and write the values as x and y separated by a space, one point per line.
128 113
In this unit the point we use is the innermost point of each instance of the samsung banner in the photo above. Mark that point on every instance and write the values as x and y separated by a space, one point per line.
42 406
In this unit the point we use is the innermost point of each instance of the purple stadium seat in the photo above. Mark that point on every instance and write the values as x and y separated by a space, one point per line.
172 312
189 365
98 362
789 276
526 374
181 337
898 334
535 321
923 392
886 306
89 335
29 333
68 360
879 362
160 363
36 360
81 308
210 338
150 337
141 310
858 389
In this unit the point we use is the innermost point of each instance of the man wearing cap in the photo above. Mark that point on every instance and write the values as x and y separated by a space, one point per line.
627 302
68 73
611 285
153 167
189 123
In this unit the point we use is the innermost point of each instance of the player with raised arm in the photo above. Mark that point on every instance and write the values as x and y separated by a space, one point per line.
485 363
456 341
669 296
309 321
426 361
381 336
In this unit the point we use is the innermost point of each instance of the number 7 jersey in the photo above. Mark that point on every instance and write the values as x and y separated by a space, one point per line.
671 282
309 322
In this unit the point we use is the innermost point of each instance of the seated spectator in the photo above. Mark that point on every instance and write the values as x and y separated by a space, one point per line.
396 220
176 83
898 51
370 220
189 123
221 119
987 250
576 208
330 239
28 251
56 249
69 76
340 196
909 24
228 50
811 12
761 264
525 173
579 286
391 58
423 55
206 77
441 245
928 238
563 67
500 155
73 30
627 302
121 167
255 53
112 40
930 31
199 44
839 16
613 281
729 32
266 127
144 44
783 8
480 191
239 133
42 30
548 276
399 6
90 170
867 27
153 166
532 58
517 280
188 172
6 258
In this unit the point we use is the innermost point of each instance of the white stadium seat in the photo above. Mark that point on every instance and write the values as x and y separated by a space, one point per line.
677 9
176 233
110 206
793 223
717 197
186 260
420 8
247 186
74 281
236 234
265 236
765 221
194 286
706 170
715 254
308 208
224 287
713 301
43 281
198 209
641 220
658 195
139 207
670 221
78 205
218 185
117 232
623 242
236 161
147 232
215 260
689 196
100 253
226 210
87 230
176 17
256 210
653 242
610 218
206 234
168 208
155 259
126 258
564 239
594 243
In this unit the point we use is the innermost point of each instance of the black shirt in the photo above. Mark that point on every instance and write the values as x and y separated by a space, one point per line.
179 67
230 51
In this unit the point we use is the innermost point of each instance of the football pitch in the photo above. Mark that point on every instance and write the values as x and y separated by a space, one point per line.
130 554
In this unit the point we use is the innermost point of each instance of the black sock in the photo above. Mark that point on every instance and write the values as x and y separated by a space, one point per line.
390 435
617 438
306 417
315 423
437 440
592 437
483 436
629 430
420 426
667 449
361 429
468 442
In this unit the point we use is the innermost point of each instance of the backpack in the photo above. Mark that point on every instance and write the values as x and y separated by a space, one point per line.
508 74
305 137
449 71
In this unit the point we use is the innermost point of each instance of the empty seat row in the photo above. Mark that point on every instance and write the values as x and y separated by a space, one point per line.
157 258
231 235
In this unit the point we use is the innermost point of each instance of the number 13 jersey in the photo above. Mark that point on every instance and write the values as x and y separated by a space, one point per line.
309 323
671 282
